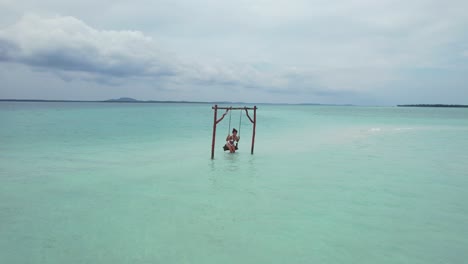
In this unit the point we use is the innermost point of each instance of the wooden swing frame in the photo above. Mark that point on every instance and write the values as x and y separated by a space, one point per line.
216 121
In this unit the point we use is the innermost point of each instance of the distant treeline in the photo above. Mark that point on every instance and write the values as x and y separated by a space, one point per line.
433 105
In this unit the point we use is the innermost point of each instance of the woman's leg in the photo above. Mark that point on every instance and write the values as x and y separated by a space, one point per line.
232 148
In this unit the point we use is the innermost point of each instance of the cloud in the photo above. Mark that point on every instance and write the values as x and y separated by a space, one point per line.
66 44
71 49
303 48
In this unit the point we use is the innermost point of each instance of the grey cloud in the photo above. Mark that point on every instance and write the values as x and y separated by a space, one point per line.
66 44
7 49
71 49
304 47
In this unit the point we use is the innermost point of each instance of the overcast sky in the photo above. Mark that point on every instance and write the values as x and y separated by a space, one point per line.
365 52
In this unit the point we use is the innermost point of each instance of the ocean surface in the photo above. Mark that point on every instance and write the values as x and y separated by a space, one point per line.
134 183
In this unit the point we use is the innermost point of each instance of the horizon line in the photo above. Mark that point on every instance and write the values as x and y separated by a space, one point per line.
131 100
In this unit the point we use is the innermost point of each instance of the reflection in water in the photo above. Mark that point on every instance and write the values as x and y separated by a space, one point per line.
226 162
234 171
252 165
233 162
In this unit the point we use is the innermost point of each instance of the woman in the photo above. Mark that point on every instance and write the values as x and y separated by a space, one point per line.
230 141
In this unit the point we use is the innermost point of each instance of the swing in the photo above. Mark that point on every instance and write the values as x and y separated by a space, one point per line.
229 130
216 120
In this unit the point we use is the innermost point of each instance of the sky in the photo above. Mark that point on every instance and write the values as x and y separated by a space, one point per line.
363 52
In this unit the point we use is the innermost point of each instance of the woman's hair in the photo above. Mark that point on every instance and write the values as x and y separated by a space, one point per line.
234 130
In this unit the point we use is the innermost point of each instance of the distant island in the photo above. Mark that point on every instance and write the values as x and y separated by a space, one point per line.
132 100
123 99
432 105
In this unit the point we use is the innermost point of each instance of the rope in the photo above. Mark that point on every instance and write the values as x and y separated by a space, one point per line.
240 119
229 129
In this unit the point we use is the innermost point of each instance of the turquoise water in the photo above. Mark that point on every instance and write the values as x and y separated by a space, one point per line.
134 183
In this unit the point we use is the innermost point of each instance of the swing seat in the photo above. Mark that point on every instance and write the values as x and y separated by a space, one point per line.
226 147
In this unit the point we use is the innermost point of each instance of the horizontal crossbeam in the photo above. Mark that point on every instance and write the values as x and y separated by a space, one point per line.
234 108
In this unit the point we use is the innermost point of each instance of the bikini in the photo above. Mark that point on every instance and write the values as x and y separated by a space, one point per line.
231 141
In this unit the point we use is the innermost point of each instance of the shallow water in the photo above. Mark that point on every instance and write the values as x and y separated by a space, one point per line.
134 183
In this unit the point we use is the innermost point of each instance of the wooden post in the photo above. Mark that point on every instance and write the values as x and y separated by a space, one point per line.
254 126
214 131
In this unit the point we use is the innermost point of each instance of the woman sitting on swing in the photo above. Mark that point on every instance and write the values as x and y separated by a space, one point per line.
230 141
